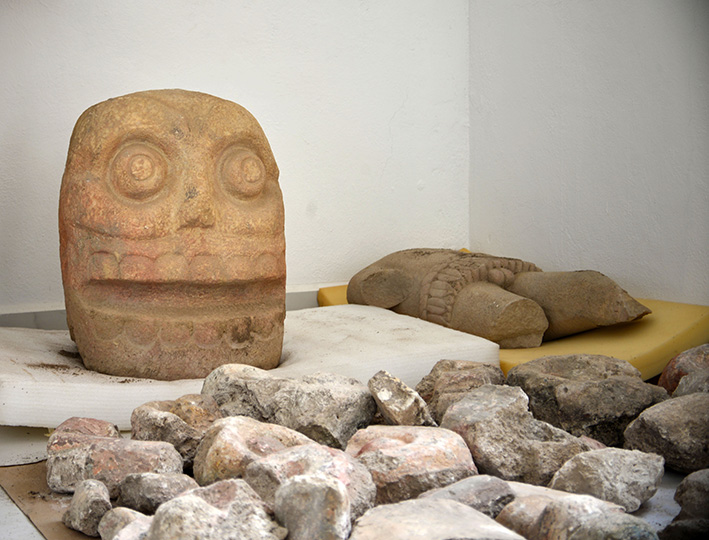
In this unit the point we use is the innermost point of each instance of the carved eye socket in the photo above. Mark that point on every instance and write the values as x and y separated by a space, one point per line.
242 173
139 171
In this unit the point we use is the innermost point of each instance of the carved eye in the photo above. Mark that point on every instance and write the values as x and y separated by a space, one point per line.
139 171
242 173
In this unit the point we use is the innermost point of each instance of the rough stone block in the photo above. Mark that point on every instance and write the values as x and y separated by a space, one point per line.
405 461
505 439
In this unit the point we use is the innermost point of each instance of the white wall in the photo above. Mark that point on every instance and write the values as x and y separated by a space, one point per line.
590 139
574 134
365 104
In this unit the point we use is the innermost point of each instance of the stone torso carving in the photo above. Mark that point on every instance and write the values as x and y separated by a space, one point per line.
171 236
509 301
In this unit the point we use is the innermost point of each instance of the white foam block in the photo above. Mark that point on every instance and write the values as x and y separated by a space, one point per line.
42 380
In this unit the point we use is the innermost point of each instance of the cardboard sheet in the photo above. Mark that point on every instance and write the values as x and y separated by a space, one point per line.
27 487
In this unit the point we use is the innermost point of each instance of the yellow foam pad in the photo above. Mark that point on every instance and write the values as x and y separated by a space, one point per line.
332 296
648 344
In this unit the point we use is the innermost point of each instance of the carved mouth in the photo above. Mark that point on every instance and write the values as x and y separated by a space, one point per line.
104 266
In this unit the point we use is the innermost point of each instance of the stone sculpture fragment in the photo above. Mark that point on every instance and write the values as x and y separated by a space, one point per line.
508 301
171 237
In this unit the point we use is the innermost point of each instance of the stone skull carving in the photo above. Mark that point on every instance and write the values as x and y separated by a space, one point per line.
508 301
172 240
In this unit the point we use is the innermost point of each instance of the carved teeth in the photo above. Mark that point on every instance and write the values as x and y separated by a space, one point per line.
136 268
103 266
206 268
172 267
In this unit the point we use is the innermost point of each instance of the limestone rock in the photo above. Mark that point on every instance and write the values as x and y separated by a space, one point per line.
326 407
181 422
428 519
399 404
522 514
190 516
88 505
405 461
426 385
144 492
677 429
585 394
697 381
73 456
689 361
267 474
693 495
314 507
232 443
451 386
504 438
625 477
562 518
484 493
135 530
224 493
613 526
120 518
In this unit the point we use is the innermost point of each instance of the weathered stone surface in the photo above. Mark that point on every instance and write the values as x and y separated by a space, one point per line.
625 477
173 256
224 493
397 403
525 511
190 516
451 386
144 492
677 429
91 427
73 456
560 519
120 518
615 527
577 301
314 507
522 514
267 474
689 361
326 407
585 394
88 505
693 495
482 492
508 301
697 381
405 461
427 384
504 438
234 442
135 530
428 519
181 422
686 529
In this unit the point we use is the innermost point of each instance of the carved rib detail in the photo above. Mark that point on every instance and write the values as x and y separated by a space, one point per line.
440 287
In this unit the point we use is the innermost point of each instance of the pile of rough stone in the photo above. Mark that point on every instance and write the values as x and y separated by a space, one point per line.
566 447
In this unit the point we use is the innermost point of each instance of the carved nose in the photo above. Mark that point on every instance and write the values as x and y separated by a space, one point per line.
197 210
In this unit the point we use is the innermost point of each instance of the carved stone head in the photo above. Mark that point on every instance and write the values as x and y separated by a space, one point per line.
171 237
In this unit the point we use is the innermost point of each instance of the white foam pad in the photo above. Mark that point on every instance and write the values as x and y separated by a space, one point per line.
42 380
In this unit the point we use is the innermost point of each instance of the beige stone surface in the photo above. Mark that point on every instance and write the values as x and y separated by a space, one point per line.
508 301
171 237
